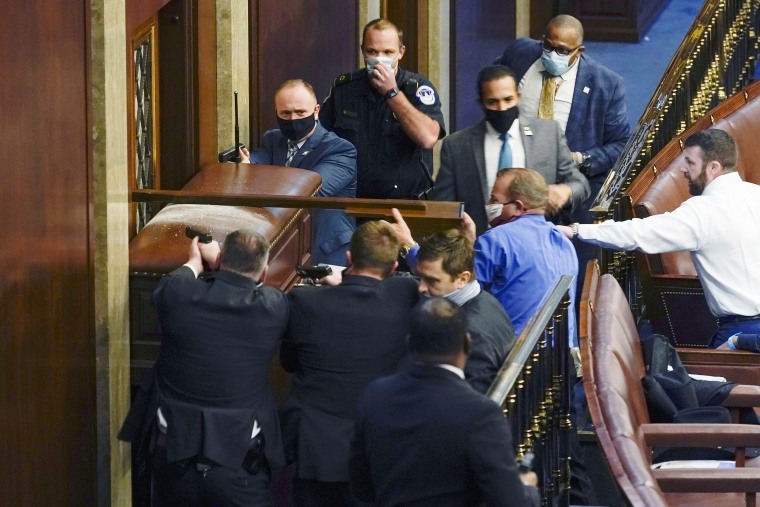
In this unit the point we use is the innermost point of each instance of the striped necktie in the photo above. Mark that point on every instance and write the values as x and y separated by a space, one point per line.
292 150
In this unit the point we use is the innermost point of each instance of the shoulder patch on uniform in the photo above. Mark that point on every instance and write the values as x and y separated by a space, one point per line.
346 78
426 94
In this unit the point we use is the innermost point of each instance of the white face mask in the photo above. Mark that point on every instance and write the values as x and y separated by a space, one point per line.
494 211
371 63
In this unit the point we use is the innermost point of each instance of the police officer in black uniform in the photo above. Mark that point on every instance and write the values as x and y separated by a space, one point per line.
392 116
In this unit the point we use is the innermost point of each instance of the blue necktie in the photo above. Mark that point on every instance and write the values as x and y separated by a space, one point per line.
505 157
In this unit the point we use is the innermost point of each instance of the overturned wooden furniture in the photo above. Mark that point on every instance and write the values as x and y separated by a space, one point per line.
222 198
161 246
672 295
612 370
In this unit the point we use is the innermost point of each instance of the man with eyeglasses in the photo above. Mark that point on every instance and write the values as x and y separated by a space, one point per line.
559 81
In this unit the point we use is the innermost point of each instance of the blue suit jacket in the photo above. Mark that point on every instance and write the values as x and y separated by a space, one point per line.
334 159
598 122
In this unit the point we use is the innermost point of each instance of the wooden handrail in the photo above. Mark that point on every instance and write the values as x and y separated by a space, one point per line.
354 206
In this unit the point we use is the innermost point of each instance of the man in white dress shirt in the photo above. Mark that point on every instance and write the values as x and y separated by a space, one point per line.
720 226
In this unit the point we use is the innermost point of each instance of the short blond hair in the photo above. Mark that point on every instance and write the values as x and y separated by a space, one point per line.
375 247
527 185
292 83
381 24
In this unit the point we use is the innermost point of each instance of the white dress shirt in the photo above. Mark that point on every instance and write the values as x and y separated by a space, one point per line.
492 149
721 229
452 369
531 85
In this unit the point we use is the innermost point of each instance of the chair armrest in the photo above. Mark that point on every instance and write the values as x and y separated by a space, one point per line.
743 395
704 480
701 435
737 366
727 358
676 281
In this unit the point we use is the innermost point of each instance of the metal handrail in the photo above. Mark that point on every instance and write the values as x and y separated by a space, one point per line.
518 357
533 389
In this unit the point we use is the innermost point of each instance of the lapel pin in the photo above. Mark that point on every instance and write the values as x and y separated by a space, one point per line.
527 131
586 89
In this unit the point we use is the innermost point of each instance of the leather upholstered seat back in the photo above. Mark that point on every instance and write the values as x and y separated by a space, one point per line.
618 366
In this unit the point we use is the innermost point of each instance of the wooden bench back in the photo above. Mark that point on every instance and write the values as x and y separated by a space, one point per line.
673 297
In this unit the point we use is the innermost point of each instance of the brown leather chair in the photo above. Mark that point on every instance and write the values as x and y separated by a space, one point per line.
612 370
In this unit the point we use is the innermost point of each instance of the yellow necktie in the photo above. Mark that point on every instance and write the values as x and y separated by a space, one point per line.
549 90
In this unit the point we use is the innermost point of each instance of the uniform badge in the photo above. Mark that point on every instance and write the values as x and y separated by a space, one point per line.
426 95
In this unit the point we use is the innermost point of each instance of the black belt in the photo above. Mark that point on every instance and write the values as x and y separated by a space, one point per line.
733 319
254 462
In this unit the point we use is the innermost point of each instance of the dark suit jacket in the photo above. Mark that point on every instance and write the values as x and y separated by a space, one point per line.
335 161
598 122
492 338
212 371
425 438
338 340
462 176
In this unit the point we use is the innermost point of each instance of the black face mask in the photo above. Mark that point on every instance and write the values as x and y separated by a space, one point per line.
502 120
297 128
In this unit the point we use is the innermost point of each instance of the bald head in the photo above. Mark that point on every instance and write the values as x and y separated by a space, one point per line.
295 99
566 22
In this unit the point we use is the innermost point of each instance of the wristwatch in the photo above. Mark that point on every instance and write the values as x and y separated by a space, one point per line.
585 164
574 228
406 248
391 93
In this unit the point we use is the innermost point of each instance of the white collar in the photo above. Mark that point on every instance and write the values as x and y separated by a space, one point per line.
452 369
715 185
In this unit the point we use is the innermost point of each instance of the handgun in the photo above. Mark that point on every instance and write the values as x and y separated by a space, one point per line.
314 272
526 465
203 237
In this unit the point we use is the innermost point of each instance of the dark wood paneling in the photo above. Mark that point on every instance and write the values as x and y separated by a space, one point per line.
177 133
619 20
177 98
47 349
411 18
541 11
139 11
306 39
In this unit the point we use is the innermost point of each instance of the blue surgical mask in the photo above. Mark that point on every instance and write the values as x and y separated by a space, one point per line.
555 64
371 63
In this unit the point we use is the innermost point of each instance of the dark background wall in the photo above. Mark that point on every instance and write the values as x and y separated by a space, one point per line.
47 355
480 30
308 39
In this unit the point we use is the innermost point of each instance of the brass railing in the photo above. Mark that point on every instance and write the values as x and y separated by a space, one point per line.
533 389
715 60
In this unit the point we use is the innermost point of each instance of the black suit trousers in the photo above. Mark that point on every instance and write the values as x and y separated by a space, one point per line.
180 484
